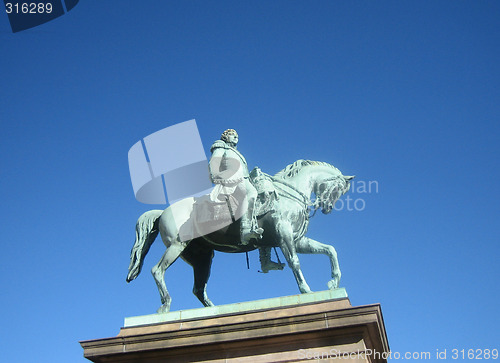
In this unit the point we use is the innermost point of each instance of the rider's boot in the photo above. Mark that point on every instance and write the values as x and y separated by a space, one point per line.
266 264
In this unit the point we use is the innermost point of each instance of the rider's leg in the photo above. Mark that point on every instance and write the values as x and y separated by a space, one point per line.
265 261
249 228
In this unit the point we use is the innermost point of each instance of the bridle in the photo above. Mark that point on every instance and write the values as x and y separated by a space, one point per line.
305 201
328 194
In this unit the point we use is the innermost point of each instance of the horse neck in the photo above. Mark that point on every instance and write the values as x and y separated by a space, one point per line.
307 179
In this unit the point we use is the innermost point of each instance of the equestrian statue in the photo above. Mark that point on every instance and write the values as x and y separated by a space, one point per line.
245 211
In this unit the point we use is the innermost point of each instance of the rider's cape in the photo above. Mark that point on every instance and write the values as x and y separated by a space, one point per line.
225 191
228 187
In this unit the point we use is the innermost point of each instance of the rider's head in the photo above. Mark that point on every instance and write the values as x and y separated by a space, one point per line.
230 136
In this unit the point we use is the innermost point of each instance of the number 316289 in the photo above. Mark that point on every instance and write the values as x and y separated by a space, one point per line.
28 8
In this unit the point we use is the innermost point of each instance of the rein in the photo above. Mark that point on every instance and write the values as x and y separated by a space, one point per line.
305 202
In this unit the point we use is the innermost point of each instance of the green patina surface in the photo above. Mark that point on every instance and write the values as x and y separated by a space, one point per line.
236 308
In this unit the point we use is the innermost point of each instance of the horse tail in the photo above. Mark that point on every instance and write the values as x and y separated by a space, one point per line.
146 231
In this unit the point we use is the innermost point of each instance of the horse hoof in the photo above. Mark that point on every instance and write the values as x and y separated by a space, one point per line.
163 309
333 284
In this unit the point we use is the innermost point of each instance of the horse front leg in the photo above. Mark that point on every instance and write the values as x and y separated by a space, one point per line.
308 245
285 237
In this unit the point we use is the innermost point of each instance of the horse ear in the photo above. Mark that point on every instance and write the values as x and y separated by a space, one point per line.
349 177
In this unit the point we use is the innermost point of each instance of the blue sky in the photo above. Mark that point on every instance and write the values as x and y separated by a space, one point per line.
401 93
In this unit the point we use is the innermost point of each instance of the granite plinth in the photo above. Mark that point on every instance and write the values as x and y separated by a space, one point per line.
271 331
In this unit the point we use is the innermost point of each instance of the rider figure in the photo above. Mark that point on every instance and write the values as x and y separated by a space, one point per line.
229 172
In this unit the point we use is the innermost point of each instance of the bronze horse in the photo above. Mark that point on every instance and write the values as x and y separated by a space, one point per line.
284 227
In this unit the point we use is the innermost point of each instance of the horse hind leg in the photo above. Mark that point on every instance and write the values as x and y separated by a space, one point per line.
200 258
309 246
171 254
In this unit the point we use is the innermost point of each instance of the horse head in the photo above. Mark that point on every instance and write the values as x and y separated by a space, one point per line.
323 179
329 190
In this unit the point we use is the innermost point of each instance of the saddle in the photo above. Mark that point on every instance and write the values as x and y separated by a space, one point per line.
207 211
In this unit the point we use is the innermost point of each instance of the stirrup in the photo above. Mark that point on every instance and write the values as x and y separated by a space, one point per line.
251 234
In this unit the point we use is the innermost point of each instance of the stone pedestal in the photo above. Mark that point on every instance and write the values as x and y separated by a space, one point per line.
296 328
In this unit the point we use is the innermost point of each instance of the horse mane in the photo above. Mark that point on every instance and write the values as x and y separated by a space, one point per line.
294 168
